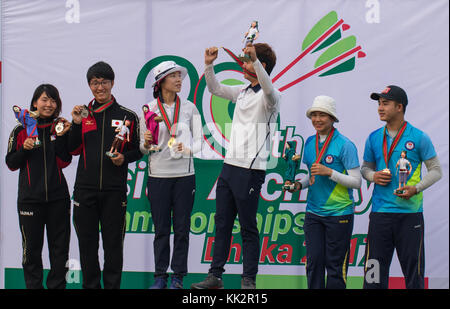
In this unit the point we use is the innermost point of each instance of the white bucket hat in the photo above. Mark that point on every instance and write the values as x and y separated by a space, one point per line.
323 103
165 68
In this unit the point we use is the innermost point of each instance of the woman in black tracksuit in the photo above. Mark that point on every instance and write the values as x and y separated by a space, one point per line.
43 196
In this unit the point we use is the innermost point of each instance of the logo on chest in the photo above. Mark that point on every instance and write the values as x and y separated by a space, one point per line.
410 145
329 159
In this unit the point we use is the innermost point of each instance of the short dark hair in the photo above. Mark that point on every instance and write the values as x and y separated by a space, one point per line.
266 54
52 92
100 70
404 106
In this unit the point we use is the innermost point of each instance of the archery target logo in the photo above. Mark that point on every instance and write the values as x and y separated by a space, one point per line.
218 112
327 41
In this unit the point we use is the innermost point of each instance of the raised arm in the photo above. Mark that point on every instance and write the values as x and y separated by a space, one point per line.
227 92
273 96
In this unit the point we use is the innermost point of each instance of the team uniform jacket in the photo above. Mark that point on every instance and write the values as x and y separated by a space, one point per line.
327 197
93 138
40 178
419 148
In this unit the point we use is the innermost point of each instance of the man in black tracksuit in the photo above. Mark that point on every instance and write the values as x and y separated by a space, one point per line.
43 201
100 192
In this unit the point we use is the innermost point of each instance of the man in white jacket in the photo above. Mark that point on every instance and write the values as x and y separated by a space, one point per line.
244 168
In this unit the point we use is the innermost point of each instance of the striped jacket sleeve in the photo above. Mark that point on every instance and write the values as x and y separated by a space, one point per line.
16 156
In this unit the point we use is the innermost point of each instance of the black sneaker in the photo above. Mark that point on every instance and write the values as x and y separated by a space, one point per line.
248 283
211 282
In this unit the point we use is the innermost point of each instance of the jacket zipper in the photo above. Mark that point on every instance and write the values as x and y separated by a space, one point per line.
102 151
45 165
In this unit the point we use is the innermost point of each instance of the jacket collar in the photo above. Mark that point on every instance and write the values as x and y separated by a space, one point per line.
255 88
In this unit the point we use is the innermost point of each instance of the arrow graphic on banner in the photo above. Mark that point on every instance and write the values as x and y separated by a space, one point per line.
236 58
335 54
326 33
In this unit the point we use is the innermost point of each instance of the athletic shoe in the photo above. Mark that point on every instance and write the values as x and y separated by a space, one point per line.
176 283
160 283
248 283
211 282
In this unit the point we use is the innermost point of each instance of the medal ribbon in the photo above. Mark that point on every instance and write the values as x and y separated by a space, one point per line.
101 108
52 124
41 126
397 137
176 116
324 147
241 64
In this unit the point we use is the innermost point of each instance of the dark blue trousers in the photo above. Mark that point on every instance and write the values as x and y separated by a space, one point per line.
171 201
402 232
327 248
237 193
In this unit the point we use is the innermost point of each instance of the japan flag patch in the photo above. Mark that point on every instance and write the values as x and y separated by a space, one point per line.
116 123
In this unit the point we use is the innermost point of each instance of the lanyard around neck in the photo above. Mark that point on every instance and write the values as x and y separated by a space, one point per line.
324 147
171 127
387 155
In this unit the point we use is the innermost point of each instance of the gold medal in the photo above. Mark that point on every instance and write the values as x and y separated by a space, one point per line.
171 142
171 127
59 127
387 171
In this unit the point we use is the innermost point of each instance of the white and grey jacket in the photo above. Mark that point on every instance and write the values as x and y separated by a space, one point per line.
167 162
254 119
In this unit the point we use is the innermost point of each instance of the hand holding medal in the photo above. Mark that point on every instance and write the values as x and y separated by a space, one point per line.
62 126
320 169
382 177
171 127
172 141
316 167
79 112
181 148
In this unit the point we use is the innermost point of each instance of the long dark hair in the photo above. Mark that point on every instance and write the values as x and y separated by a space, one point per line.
52 92
157 89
